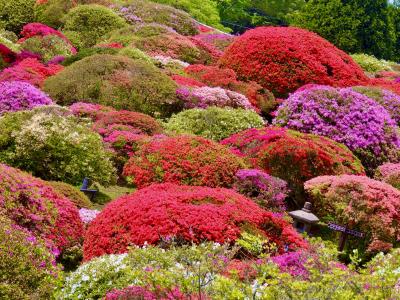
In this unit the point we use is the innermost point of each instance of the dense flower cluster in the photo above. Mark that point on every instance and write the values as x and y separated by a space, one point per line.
16 95
292 263
34 205
89 110
38 29
190 214
294 156
389 173
362 204
88 215
346 117
186 81
268 191
295 57
183 159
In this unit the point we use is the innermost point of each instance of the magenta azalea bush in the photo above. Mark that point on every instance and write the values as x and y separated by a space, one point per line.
347 117
389 173
18 95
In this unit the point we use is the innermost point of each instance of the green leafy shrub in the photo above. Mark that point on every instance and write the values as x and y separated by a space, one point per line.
92 22
27 268
115 81
53 146
213 122
72 193
88 52
16 13
51 12
135 53
370 63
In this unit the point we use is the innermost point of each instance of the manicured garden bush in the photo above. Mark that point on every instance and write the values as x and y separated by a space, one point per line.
18 95
40 30
347 117
51 12
91 22
72 193
89 110
219 40
361 203
213 122
14 14
370 63
267 191
33 204
115 81
283 59
54 147
293 156
27 268
183 159
189 214
88 52
389 173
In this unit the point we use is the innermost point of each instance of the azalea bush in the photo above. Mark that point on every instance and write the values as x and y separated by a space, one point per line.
115 81
370 63
89 110
27 268
54 147
389 173
361 203
293 156
295 57
18 95
347 117
188 214
213 122
72 193
88 215
183 159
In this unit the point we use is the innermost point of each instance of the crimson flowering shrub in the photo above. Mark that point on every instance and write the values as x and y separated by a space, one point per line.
267 191
389 173
209 53
30 70
33 204
187 82
361 203
347 117
282 59
89 110
17 95
187 213
183 159
293 156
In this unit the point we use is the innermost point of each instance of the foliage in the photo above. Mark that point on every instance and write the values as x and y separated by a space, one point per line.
293 156
72 193
115 81
27 269
370 63
389 173
188 214
213 122
54 147
182 159
89 110
14 14
135 54
17 95
295 57
346 117
362 204
267 191
88 52
51 12
92 22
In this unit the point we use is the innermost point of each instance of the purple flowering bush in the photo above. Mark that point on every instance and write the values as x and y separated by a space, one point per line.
18 95
203 97
347 117
389 173
292 263
88 215
268 191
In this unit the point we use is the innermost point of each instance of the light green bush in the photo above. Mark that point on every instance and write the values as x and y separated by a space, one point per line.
16 13
72 193
370 63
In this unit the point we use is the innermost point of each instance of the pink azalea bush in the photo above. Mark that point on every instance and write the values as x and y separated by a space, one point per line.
18 95
89 110
389 173
88 215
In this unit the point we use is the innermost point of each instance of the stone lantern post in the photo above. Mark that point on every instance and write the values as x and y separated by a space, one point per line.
304 218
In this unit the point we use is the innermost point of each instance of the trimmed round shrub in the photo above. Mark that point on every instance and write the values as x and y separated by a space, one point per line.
33 204
18 95
88 52
389 173
213 122
40 30
54 147
370 63
91 22
27 268
118 82
347 117
142 11
51 12
183 159
189 214
293 156
89 110
14 14
72 193
361 203
134 53
282 59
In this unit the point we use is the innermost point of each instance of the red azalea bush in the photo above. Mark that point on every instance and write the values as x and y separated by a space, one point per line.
183 159
30 70
190 214
89 110
363 204
187 82
33 204
293 156
282 59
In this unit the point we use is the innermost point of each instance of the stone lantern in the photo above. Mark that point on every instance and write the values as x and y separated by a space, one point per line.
304 218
